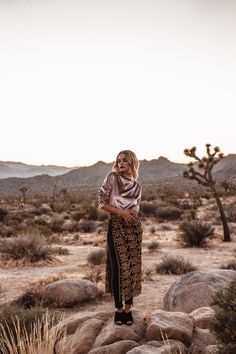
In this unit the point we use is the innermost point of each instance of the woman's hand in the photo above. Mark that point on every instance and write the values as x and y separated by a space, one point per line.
127 216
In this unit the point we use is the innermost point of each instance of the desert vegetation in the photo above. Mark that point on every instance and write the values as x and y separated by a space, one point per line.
53 259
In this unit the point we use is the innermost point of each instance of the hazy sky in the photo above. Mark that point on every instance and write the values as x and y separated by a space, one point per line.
81 80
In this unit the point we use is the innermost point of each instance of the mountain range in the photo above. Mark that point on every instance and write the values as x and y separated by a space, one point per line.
19 169
88 179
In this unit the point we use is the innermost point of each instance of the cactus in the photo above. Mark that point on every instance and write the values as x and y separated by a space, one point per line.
203 175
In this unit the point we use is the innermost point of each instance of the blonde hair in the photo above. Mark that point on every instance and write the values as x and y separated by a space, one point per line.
132 161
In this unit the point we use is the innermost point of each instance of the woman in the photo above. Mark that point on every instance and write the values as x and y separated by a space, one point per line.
120 196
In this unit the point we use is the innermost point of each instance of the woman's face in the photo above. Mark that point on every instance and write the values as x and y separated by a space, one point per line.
122 163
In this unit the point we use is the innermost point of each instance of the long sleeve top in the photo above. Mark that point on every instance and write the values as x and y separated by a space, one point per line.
119 192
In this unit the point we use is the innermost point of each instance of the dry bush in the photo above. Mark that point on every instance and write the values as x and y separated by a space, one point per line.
147 274
87 226
95 275
62 251
152 230
153 246
3 213
31 247
97 257
230 211
6 231
31 331
148 209
169 213
194 233
56 224
174 265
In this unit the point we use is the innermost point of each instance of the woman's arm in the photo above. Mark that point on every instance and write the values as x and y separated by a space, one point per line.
125 214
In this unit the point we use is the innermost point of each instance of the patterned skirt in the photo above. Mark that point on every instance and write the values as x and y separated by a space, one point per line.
124 266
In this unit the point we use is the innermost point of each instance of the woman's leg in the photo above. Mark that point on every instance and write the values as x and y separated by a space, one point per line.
115 270
128 315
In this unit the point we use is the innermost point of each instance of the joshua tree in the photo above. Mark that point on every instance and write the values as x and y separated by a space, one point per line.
203 175
23 190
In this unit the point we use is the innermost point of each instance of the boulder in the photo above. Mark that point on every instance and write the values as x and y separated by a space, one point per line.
121 347
203 316
111 333
195 289
68 292
160 347
172 325
201 339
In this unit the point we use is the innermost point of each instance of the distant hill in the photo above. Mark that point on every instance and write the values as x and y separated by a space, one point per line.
22 170
88 179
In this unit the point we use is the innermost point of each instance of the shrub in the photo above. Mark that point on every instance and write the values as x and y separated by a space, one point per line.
56 224
87 226
169 213
29 246
28 331
97 257
195 232
153 246
224 323
3 213
152 230
174 265
148 209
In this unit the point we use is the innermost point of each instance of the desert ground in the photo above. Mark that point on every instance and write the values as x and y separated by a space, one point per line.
16 280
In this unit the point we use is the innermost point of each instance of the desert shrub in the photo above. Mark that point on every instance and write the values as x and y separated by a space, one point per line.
194 233
230 265
169 213
148 209
174 265
13 219
152 230
78 215
165 227
30 246
224 323
153 246
56 224
3 213
28 330
87 226
230 211
7 231
62 251
95 275
101 215
97 257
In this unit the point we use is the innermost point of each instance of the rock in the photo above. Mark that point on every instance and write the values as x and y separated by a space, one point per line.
160 347
72 323
68 292
195 289
211 349
202 316
82 340
201 339
111 333
120 347
172 325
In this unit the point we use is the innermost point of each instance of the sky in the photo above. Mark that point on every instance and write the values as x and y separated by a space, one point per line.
81 80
